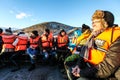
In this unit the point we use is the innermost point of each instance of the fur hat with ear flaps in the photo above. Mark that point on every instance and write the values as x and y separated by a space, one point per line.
106 15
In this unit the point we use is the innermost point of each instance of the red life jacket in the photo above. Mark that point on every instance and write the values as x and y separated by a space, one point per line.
8 40
62 41
34 42
22 43
47 42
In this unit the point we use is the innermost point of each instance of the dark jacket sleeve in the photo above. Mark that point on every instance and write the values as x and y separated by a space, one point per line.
86 69
53 42
39 45
111 62
28 44
1 42
107 67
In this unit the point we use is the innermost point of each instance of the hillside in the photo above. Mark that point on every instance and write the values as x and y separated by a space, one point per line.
55 27
42 71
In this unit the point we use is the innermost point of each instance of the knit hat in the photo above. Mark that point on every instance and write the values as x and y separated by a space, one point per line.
1 30
35 32
62 31
84 27
21 32
8 30
48 31
106 15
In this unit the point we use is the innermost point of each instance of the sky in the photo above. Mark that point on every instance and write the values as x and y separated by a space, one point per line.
24 13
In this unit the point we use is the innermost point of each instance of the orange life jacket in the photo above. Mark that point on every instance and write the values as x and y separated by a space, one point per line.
47 42
34 42
8 40
103 40
62 41
22 43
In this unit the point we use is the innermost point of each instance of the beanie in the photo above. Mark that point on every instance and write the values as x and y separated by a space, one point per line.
35 32
84 28
21 32
48 31
106 15
109 18
62 30
8 30
1 30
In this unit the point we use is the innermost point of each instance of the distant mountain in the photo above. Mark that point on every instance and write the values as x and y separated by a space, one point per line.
55 27
13 29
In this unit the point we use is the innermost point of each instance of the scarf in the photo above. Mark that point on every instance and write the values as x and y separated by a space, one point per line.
90 43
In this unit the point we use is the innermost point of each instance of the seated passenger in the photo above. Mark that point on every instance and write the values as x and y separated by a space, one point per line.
73 42
7 49
101 57
34 48
62 47
47 46
20 48
70 61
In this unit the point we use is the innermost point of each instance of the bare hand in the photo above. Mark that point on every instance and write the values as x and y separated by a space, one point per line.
76 71
44 50
32 47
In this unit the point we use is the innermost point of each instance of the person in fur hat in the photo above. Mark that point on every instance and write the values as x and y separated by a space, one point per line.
100 59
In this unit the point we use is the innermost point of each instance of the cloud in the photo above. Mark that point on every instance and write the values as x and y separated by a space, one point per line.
21 15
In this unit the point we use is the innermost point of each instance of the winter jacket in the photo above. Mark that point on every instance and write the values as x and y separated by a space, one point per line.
8 39
81 40
21 42
35 42
47 41
62 41
109 64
